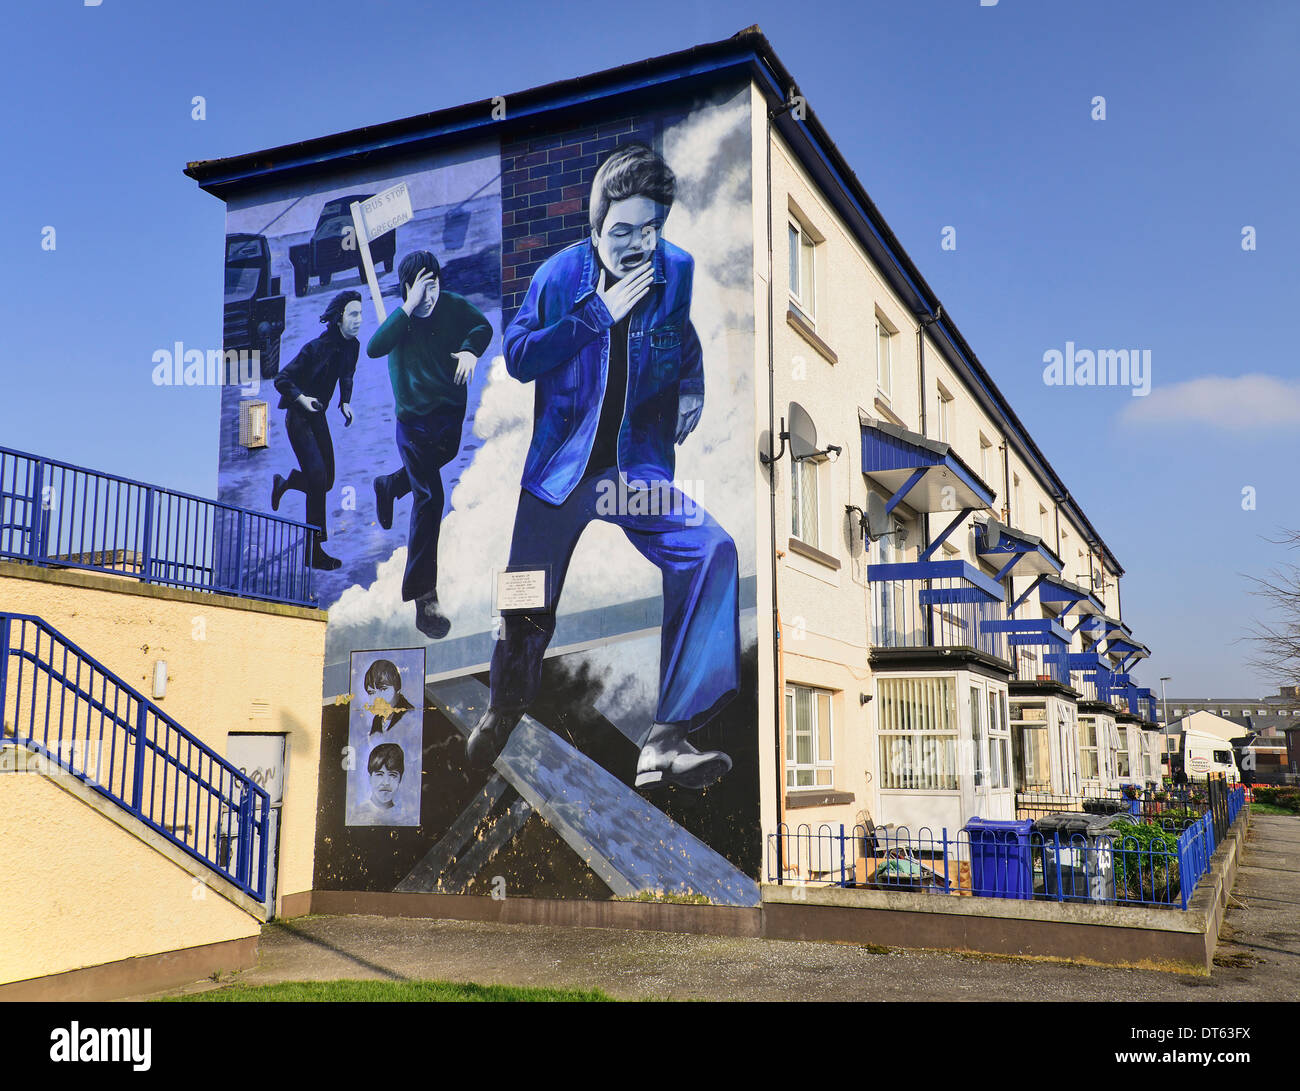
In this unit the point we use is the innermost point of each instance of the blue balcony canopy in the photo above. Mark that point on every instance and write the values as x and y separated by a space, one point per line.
1101 627
978 587
924 472
1014 550
1064 596
1089 662
1032 631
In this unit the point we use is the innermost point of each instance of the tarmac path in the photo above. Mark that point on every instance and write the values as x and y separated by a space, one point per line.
1258 959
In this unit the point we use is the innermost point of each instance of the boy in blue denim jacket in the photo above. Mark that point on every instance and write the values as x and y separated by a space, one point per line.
605 334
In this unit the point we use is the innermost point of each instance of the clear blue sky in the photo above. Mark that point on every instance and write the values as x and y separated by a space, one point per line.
1117 233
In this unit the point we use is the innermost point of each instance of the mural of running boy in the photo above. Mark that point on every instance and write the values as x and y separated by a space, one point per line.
605 335
433 342
305 386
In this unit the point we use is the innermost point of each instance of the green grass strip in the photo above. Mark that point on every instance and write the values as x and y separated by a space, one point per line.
391 992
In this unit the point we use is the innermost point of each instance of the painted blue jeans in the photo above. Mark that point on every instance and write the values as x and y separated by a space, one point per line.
699 656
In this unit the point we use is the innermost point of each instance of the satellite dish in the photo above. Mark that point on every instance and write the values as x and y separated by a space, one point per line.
876 523
992 535
803 433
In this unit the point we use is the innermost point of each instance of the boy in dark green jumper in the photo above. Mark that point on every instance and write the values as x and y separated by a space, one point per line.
433 342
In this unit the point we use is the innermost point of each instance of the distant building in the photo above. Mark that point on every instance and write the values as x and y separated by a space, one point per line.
1266 721
1265 715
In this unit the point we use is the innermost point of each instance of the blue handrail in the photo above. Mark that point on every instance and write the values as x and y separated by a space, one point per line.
53 513
78 718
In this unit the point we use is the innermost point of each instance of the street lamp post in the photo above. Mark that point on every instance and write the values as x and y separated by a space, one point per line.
1164 712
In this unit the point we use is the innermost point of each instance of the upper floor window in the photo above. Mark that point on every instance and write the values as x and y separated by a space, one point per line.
804 502
884 359
802 269
986 459
944 422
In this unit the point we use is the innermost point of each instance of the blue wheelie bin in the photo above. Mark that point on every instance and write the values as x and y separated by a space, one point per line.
1000 862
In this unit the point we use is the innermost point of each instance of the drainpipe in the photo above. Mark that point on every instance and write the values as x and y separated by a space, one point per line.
778 702
1006 481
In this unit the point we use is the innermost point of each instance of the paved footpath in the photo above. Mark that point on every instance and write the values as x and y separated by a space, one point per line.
1258 960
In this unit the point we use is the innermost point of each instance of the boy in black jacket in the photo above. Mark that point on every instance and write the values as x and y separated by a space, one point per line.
306 386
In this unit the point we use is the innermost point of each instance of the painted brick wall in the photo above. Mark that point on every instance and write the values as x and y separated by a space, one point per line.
545 186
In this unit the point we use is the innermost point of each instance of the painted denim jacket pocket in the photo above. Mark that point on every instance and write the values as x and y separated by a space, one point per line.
665 346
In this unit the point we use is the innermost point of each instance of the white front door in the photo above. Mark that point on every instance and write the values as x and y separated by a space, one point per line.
260 757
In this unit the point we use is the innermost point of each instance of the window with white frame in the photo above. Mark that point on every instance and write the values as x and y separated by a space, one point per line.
804 510
892 619
809 758
884 358
944 421
1089 767
1067 747
802 269
917 727
1042 522
1030 746
1122 755
976 709
999 740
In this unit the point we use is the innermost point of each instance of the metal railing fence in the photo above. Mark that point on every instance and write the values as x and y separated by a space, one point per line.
1115 866
64 713
55 514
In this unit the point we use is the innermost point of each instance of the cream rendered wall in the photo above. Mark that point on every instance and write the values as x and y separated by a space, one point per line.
77 890
824 602
824 608
233 665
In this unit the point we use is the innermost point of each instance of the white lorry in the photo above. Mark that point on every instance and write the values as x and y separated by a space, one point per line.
1204 754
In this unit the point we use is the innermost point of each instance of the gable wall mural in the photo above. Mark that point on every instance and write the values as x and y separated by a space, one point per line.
534 477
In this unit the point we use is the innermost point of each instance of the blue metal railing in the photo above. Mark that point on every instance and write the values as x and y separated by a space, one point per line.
933 613
56 514
1113 868
73 716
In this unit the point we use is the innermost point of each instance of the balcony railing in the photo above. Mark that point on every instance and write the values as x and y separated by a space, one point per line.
948 610
1040 663
55 514
1086 685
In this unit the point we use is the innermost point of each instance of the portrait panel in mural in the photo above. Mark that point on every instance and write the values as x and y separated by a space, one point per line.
385 738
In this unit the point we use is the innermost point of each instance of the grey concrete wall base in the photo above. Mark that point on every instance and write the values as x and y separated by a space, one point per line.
1161 939
715 920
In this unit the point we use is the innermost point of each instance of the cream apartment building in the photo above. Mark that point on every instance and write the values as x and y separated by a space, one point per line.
972 645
